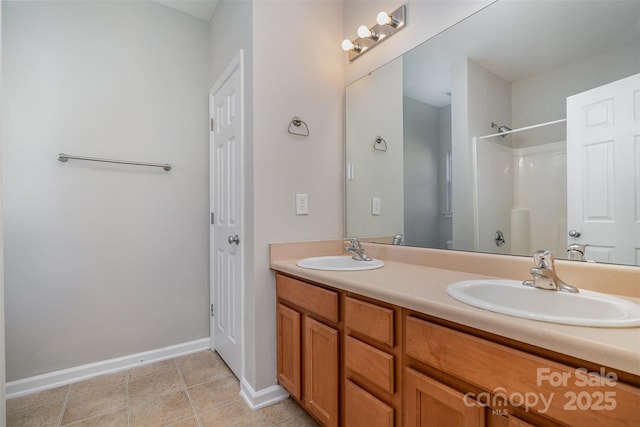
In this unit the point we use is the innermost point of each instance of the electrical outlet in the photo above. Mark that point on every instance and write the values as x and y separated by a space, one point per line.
302 204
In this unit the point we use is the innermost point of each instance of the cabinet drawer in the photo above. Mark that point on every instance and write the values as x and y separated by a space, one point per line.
315 299
370 320
374 365
500 369
364 410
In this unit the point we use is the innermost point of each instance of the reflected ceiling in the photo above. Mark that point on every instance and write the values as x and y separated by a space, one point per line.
202 9
427 68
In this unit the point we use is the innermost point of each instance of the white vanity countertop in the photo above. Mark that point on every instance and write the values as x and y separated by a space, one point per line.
423 289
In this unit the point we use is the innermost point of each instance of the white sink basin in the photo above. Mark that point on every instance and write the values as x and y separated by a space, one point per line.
338 263
511 297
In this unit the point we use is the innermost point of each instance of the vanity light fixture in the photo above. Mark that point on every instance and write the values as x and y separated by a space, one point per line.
348 45
365 32
384 18
387 24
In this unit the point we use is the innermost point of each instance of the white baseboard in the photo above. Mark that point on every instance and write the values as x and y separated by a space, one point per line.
84 372
265 397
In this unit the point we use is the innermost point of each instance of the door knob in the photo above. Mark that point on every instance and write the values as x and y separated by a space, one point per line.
234 239
574 233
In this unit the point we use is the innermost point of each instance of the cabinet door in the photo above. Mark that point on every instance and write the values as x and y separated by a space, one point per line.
431 403
289 347
321 371
364 410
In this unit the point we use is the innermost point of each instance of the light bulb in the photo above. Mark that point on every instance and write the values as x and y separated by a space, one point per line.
383 18
347 45
363 31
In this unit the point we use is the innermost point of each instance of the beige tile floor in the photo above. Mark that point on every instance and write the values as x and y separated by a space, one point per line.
188 391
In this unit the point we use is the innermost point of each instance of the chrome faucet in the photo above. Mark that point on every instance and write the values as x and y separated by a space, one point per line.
398 239
357 250
544 274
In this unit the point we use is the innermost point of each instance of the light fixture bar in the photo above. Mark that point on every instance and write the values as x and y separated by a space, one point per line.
376 34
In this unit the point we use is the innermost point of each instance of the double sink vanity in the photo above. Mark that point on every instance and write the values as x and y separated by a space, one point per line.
389 342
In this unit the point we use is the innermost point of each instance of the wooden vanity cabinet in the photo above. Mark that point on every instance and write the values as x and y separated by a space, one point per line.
513 383
353 361
372 363
308 346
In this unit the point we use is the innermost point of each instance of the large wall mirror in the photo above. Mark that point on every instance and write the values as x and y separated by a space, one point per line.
515 130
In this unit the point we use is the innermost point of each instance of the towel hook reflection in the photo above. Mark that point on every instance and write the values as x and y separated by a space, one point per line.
297 126
380 144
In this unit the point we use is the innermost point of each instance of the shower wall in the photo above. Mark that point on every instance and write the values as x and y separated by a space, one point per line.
489 99
540 197
495 195
528 187
103 261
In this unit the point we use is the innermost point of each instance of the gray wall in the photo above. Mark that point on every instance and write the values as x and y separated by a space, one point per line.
421 154
3 418
294 75
445 226
103 260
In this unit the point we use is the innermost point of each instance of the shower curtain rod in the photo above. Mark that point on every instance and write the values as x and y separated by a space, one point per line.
64 157
523 128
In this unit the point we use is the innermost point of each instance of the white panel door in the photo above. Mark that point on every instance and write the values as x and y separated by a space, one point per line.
603 171
226 216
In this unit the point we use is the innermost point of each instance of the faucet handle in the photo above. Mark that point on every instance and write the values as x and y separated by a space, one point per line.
544 259
355 242
576 251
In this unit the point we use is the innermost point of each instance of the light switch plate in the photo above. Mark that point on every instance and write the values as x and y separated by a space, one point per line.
302 204
375 206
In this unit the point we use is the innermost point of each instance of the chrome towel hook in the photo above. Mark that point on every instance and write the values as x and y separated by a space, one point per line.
297 126
379 144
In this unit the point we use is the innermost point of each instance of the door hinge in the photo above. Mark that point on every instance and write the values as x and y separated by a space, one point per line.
213 217
212 313
211 123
